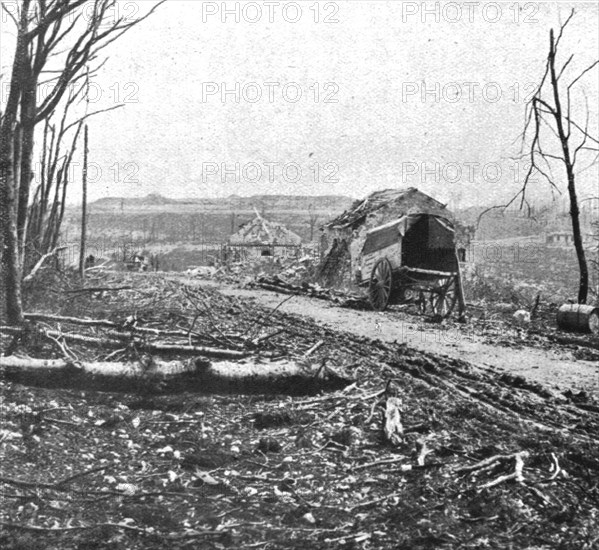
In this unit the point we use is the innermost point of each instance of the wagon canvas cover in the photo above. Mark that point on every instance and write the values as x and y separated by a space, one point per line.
440 233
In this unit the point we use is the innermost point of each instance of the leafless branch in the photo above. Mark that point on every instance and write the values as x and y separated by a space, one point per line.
589 68
85 117
562 28
565 65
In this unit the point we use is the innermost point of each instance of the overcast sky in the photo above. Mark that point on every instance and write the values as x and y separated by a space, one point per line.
340 97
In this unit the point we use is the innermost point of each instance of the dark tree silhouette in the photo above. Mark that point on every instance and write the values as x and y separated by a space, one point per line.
56 37
552 139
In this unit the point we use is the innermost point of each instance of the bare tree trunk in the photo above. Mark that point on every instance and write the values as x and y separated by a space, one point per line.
8 182
84 206
583 287
28 113
8 219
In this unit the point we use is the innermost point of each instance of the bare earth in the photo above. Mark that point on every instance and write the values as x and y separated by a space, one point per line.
552 367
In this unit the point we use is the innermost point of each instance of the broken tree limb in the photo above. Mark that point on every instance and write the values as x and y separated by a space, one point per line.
156 376
423 452
73 320
281 290
154 347
164 347
516 475
103 323
262 339
98 289
486 463
314 348
41 262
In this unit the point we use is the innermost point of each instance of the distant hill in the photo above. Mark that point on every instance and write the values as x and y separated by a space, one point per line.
153 199
263 203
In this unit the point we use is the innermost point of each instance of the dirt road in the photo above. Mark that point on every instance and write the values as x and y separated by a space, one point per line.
553 367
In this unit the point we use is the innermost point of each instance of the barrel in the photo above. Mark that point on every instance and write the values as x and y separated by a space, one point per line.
579 318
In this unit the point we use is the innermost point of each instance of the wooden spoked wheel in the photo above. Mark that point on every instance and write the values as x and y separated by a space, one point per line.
381 285
441 299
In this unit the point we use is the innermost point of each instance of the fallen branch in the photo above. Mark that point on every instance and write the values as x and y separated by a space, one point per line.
23 483
41 262
73 320
153 347
262 339
44 485
379 463
371 502
68 479
102 323
140 530
194 302
424 452
486 463
278 289
99 289
517 475
356 537
314 348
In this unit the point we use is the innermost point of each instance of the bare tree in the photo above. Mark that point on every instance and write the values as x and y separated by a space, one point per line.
46 211
552 137
313 218
48 32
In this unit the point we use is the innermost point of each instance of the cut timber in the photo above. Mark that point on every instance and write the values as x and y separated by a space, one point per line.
193 375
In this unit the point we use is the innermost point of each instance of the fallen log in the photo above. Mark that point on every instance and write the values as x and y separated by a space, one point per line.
156 376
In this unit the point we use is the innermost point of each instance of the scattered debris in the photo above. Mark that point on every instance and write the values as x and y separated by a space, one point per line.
181 470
